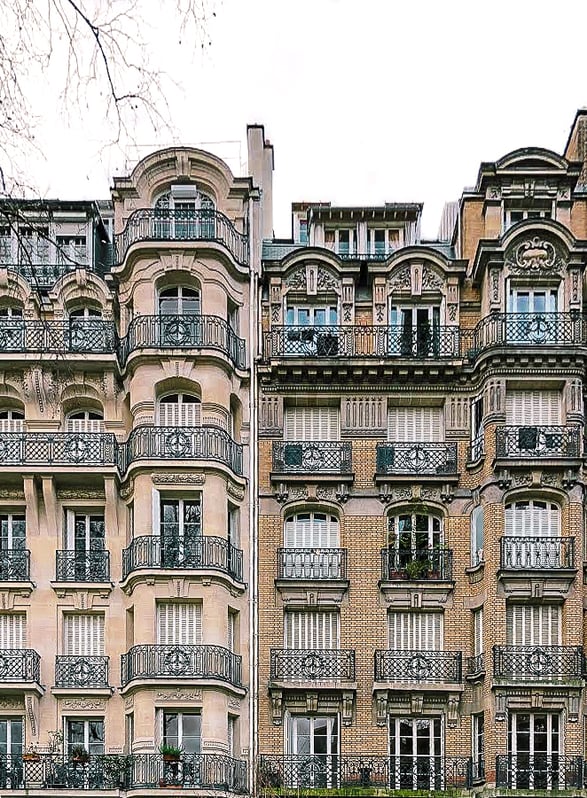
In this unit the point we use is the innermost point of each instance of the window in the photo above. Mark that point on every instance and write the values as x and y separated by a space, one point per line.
10 312
306 539
179 301
13 532
12 330
303 234
232 631
11 739
312 330
87 331
530 319
33 245
84 421
478 647
311 630
415 531
311 424
85 536
414 330
71 250
415 631
478 745
477 535
233 514
180 410
513 215
533 625
533 407
83 635
343 241
415 424
183 730
477 438
11 420
181 533
313 744
12 630
532 300
533 518
184 213
232 736
532 536
85 313
534 745
416 753
5 246
179 623
88 734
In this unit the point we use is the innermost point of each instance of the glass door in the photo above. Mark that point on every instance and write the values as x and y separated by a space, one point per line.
181 533
530 315
416 754
534 751
313 746
312 330
86 537
415 330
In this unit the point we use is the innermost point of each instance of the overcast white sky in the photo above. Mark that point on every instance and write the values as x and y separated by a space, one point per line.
365 102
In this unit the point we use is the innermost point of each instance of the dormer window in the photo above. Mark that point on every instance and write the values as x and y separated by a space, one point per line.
518 212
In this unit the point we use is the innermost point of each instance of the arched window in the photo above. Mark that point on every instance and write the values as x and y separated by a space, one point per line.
179 301
414 546
184 213
87 331
10 312
85 312
84 421
477 535
180 410
532 536
311 542
11 420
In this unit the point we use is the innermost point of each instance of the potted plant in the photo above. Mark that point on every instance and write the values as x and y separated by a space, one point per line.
30 755
171 753
79 754
417 569
170 784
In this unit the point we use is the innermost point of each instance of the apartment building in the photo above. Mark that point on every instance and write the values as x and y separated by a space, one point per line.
293 517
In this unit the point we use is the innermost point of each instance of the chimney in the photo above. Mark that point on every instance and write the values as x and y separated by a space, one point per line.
260 158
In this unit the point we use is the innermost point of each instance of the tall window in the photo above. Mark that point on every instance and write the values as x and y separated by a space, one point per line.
84 531
534 744
414 330
477 439
416 748
311 423
183 730
11 739
314 744
532 536
415 631
478 745
533 625
83 635
533 407
307 537
312 329
11 328
88 734
179 623
181 532
180 410
13 630
478 646
179 301
415 424
71 250
477 535
84 421
13 531
311 630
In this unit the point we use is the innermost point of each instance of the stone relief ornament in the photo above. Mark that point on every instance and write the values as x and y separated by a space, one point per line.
430 280
402 280
534 256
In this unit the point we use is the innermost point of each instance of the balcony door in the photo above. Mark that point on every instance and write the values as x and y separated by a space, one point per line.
12 330
415 631
179 628
84 421
532 531
312 330
87 734
534 748
181 533
86 330
532 414
416 761
307 432
307 539
83 642
180 410
11 745
13 557
533 625
11 421
85 535
311 630
413 538
529 320
414 330
312 747
180 323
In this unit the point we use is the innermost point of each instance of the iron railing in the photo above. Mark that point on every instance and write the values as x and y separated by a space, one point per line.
181 661
419 666
182 443
530 442
15 565
81 671
337 341
82 566
538 771
476 665
19 665
123 772
45 275
314 457
302 664
521 552
413 564
538 662
183 332
75 335
166 224
373 771
58 448
175 552
314 563
527 329
417 458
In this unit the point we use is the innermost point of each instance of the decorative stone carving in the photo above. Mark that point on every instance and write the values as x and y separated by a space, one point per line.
81 493
401 280
84 703
364 416
178 479
430 280
381 708
12 494
237 492
347 708
270 415
452 711
309 279
10 702
276 707
534 256
32 712
179 695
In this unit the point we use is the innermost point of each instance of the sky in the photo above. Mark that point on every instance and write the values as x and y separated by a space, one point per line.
365 102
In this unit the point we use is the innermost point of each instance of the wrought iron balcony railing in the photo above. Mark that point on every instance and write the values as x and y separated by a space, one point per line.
302 664
476 665
538 442
418 666
165 224
19 665
537 553
15 565
44 275
527 329
182 662
183 332
82 566
181 553
312 457
337 341
58 448
316 563
525 663
75 335
182 443
122 772
414 564
538 771
82 671
417 458
373 771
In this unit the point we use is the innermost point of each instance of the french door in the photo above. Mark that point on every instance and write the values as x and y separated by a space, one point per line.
416 754
308 539
181 533
313 749
85 536
534 749
414 330
532 531
530 316
312 330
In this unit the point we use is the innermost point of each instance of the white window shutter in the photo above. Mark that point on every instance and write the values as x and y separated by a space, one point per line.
84 635
528 625
415 424
12 630
306 531
312 630
533 408
415 631
311 424
179 624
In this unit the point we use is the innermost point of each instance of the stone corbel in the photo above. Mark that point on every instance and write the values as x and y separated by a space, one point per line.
452 711
416 703
573 704
385 494
446 494
381 707
347 708
32 712
379 300
342 493
570 479
500 706
281 493
312 702
504 479
276 707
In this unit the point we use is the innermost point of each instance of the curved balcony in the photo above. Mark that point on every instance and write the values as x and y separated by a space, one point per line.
422 458
58 449
73 336
182 443
312 457
416 564
538 663
524 553
303 665
176 553
525 329
183 332
538 442
45 275
82 566
438 667
81 672
164 662
164 224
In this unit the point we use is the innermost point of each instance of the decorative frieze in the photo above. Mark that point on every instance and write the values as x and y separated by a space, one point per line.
363 416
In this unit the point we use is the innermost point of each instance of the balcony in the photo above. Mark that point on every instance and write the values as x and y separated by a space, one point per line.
422 459
81 672
15 565
182 443
166 225
526 330
475 666
177 553
58 449
303 665
82 566
312 564
165 662
337 341
538 443
74 336
18 665
183 332
319 772
435 667
537 663
312 457
416 565
123 772
525 558
538 771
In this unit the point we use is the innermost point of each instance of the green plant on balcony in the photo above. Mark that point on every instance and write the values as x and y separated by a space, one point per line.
418 569
79 754
171 753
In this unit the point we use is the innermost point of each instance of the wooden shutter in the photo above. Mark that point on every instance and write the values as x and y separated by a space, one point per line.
415 631
415 424
179 624
311 424
12 630
83 635
528 625
534 519
311 530
311 630
231 630
180 414
534 408
478 631
84 425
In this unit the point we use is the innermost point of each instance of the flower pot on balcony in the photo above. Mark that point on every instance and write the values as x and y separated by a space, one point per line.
171 757
168 785
31 758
